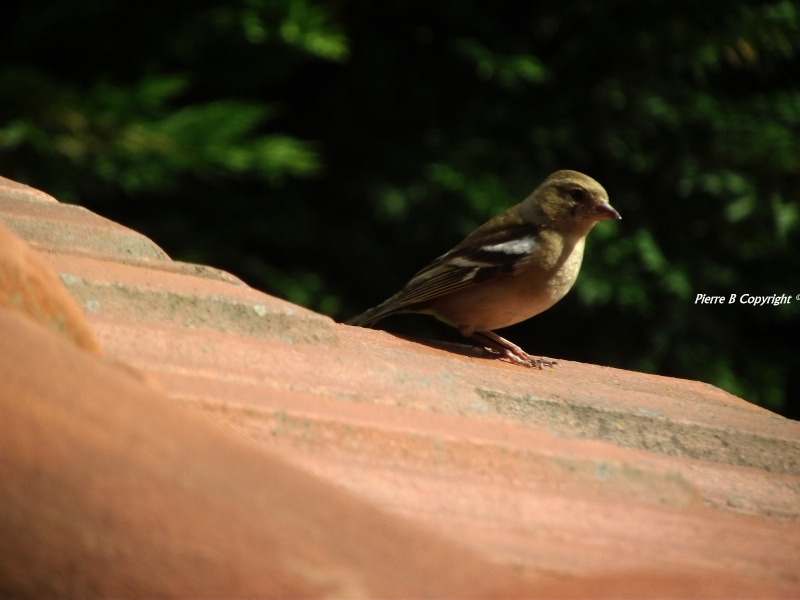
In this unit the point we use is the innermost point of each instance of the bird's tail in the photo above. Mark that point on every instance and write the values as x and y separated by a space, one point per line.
369 318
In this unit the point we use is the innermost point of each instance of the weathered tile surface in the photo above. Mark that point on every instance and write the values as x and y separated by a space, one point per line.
577 481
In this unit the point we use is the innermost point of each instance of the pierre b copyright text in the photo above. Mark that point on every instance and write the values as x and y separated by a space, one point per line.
773 300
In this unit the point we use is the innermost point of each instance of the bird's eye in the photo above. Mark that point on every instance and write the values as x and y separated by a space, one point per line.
577 194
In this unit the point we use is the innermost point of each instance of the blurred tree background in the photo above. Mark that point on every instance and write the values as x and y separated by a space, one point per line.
325 151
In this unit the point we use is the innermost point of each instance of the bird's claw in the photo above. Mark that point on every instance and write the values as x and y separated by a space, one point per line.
502 348
527 360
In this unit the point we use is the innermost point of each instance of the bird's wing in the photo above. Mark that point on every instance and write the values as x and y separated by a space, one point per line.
500 252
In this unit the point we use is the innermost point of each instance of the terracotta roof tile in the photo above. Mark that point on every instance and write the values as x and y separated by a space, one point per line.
575 481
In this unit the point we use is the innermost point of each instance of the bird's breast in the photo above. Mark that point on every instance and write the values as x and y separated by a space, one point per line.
565 271
515 298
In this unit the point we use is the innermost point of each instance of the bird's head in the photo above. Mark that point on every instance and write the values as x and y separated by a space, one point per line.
570 201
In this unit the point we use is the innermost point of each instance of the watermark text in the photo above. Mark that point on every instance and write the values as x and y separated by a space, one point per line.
773 300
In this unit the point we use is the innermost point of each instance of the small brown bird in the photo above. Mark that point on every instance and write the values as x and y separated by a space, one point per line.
511 268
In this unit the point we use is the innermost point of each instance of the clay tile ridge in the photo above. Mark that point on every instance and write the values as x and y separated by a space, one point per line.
169 431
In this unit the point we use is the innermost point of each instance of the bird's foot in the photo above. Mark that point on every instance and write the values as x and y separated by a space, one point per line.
527 360
505 349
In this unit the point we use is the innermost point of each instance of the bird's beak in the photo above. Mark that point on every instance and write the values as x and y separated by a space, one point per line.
604 211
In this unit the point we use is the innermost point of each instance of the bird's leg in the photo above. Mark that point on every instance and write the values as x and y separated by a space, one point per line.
510 351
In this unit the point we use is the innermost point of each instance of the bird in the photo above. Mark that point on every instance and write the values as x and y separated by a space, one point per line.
513 267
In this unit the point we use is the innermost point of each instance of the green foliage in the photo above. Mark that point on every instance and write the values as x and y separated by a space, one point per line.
324 151
139 138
